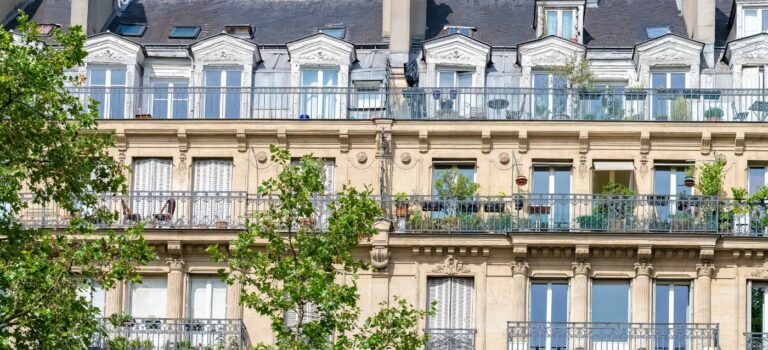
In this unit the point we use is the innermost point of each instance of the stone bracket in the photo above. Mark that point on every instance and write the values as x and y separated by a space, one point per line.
452 250
706 142
486 139
344 141
582 252
739 143
583 142
645 142
282 139
520 251
706 253
174 248
644 253
242 142
522 141
423 141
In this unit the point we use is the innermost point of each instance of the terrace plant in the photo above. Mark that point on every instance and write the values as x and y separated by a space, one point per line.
610 208
680 109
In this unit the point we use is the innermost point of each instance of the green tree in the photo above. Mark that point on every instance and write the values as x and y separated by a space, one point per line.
51 149
286 265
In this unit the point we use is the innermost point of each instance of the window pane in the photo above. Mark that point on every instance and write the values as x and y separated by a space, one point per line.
677 80
680 188
98 76
465 79
758 301
212 99
681 303
180 100
118 77
540 180
309 77
539 302
765 20
662 303
160 101
756 179
751 22
568 24
559 302
661 180
551 23
116 102
232 106
330 78
610 302
445 79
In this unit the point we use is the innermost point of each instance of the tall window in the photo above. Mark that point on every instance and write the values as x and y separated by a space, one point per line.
758 178
758 310
451 101
223 90
212 184
755 21
549 309
207 298
320 99
549 205
610 304
108 88
151 185
672 313
669 188
669 105
605 103
560 22
455 301
271 98
95 295
550 96
148 299
170 100
465 169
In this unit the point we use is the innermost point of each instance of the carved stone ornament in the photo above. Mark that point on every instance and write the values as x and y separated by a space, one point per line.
755 53
362 157
643 269
183 160
405 158
454 56
108 53
581 268
175 263
450 267
261 157
319 56
707 270
669 55
760 271
504 158
380 257
519 267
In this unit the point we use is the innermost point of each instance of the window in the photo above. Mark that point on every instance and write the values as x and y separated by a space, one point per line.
668 102
240 31
549 303
212 184
672 313
148 299
758 310
452 100
131 29
336 32
752 78
560 22
757 178
223 90
369 99
465 169
669 187
466 31
310 313
549 203
610 304
107 86
755 21
320 99
207 298
170 100
47 29
271 98
184 32
151 185
550 96
454 297
655 32
95 295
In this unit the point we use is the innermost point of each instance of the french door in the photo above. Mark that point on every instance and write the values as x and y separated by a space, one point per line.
666 106
151 184
107 86
548 315
672 314
549 204
320 98
212 196
223 93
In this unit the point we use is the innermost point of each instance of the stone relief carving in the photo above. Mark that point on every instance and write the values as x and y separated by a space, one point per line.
760 270
519 267
454 55
581 268
754 53
451 266
380 257
504 158
405 158
643 269
319 56
362 157
261 157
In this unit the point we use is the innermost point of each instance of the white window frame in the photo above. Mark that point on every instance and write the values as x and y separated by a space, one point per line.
765 175
329 107
209 295
369 98
471 303
548 317
108 85
223 70
752 284
760 12
457 73
550 94
560 28
170 98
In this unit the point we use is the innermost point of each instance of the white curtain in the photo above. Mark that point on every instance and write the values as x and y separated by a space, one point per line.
152 178
148 299
454 297
94 294
212 184
207 298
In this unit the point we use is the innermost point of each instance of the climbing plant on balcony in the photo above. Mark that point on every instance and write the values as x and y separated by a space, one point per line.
53 150
303 276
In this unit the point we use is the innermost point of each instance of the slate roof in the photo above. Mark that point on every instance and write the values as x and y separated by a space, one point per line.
47 12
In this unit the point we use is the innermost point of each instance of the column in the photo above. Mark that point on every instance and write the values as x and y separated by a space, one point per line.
114 300
641 293
702 293
234 309
519 290
580 291
175 307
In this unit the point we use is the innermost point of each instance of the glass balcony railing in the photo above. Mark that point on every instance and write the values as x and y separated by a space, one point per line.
611 336
432 214
170 334
660 105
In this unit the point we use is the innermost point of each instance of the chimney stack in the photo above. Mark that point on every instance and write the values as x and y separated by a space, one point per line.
699 16
402 21
92 15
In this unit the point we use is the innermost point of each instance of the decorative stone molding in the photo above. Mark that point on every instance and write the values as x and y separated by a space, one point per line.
344 141
262 157
405 158
460 251
504 158
668 51
706 253
242 141
112 49
644 253
456 51
423 141
706 142
380 257
705 270
522 141
583 142
643 269
519 267
362 157
175 264
451 267
520 251
181 137
739 145
645 142
581 268
643 165
183 161
174 248
282 139
121 140
582 166
486 140
748 51
225 49
321 50
383 144
582 252
545 53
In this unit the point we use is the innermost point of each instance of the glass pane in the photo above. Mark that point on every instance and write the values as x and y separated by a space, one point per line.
751 22
160 101
756 179
660 106
539 302
758 301
465 79
559 302
560 95
445 79
561 204
540 180
662 303
309 77
330 78
677 80
541 99
98 76
232 99
551 23
765 20
118 77
610 302
116 102
212 100
682 294
680 188
662 178
568 24
180 101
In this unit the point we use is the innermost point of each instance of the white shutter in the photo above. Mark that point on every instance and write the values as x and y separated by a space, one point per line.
291 318
329 167
214 176
208 298
152 176
148 299
439 292
461 306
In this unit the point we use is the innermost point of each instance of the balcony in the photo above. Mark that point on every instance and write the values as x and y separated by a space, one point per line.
450 339
430 214
756 341
659 105
171 334
612 336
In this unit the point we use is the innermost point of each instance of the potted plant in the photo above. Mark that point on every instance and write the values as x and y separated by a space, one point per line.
713 114
401 205
614 203
496 206
592 222
458 190
143 116
711 94
680 110
221 225
681 221
690 176
519 201
635 93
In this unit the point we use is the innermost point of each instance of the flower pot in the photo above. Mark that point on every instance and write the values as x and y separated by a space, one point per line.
143 116
432 206
494 207
307 222
469 207
401 210
221 225
635 95
519 203
689 181
521 180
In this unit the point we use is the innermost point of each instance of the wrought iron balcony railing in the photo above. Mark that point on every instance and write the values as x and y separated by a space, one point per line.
451 339
433 214
611 336
171 334
618 104
756 341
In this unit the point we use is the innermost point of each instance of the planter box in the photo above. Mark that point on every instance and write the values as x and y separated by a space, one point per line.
432 206
143 116
401 210
635 95
221 225
494 207
469 207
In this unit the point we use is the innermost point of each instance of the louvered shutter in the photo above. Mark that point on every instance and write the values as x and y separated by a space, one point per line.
439 292
212 183
148 299
461 305
291 318
329 167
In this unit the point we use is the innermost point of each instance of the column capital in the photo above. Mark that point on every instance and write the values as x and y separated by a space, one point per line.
519 267
705 270
643 269
176 264
581 268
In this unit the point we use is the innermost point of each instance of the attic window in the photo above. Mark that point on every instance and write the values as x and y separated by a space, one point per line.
336 32
184 32
131 29
655 32
47 29
240 31
466 31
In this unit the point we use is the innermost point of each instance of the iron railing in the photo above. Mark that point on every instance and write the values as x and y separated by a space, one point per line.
618 104
450 339
170 334
434 214
756 341
611 336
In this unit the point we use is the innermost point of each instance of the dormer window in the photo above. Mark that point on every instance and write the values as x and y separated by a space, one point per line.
466 31
240 31
755 21
560 22
46 29
655 32
131 29
184 32
336 32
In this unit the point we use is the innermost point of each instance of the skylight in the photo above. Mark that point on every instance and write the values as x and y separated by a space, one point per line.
241 31
336 32
655 32
131 29
466 31
46 29
184 32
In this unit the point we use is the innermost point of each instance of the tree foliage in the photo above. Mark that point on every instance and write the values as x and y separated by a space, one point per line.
286 263
51 149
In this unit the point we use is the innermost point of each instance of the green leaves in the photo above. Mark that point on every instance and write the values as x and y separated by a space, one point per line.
296 265
50 146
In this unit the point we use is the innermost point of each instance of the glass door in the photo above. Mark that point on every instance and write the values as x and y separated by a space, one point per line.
672 314
550 99
610 315
758 316
319 99
549 205
549 314
668 102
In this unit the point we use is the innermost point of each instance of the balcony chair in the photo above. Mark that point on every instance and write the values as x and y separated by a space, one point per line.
760 108
128 214
738 116
166 212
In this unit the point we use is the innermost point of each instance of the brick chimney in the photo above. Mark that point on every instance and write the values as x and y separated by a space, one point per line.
92 15
699 18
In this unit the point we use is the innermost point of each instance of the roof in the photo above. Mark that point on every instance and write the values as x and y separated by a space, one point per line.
274 22
722 24
509 22
47 12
